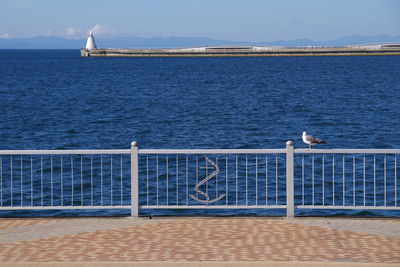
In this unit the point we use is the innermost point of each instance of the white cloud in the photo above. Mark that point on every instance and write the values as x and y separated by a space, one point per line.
6 36
99 29
71 31
68 33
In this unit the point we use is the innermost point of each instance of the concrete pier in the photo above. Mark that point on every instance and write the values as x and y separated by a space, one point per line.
245 51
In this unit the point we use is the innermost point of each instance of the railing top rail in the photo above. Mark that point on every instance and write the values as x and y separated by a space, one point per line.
211 151
65 152
198 151
347 151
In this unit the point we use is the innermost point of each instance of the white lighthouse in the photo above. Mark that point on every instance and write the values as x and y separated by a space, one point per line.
91 43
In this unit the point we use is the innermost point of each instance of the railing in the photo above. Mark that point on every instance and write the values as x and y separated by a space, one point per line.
64 179
199 179
212 178
347 178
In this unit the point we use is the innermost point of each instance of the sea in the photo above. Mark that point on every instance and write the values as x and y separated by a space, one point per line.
56 99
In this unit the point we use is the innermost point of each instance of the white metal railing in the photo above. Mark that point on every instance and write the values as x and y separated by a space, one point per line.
347 178
64 179
212 178
199 179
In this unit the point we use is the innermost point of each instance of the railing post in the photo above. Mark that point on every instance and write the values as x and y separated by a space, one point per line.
134 180
289 179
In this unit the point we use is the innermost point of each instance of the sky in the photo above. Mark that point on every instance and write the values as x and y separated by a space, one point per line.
233 20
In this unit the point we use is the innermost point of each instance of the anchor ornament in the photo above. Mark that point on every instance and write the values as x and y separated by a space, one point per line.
205 180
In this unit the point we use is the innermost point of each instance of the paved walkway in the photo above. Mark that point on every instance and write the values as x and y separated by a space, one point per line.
160 241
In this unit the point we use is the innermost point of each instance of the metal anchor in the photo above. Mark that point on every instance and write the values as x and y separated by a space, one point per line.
196 188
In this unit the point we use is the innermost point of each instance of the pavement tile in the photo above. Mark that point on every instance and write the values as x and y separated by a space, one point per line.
209 239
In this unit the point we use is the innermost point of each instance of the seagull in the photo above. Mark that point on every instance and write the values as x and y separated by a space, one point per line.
309 140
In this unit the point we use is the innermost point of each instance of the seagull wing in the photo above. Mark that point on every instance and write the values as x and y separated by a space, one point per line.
310 138
317 141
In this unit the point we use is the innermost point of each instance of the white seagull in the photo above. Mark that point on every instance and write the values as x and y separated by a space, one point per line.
309 140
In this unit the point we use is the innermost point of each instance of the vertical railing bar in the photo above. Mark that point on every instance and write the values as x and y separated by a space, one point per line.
374 180
51 179
187 179
333 179
226 180
81 180
157 178
266 180
91 179
1 181
302 179
276 180
72 180
323 180
216 178
206 168
256 179
290 196
354 180
134 180
384 181
167 180
197 172
61 178
237 180
147 179
177 179
11 180
395 180
343 182
122 182
41 179
246 182
364 180
111 179
101 180
312 178
22 179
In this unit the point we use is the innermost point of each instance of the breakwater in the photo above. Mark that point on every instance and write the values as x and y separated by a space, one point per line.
245 51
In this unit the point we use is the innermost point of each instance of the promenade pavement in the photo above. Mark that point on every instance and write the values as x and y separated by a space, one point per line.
200 241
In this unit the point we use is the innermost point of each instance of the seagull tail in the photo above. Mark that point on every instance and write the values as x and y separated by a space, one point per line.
321 141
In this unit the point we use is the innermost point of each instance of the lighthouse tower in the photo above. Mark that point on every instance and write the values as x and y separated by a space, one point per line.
91 43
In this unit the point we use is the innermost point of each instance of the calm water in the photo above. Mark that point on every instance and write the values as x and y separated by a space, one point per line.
57 100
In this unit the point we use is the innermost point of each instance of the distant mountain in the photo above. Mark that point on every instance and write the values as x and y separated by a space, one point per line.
44 42
161 42
347 40
365 39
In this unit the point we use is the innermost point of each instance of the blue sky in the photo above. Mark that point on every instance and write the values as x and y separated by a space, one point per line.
235 20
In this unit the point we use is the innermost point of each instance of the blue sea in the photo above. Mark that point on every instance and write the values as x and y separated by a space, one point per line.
55 99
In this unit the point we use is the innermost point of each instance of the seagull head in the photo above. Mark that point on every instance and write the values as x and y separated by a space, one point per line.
304 133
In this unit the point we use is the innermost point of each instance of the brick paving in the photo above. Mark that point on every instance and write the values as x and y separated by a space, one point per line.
204 239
